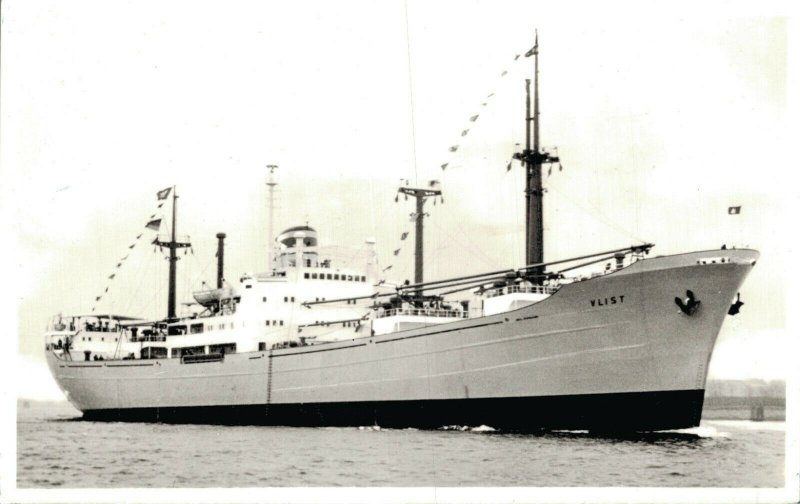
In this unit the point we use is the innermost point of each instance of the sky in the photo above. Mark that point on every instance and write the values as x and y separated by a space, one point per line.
662 121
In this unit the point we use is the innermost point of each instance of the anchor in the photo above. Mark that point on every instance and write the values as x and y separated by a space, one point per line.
690 306
734 309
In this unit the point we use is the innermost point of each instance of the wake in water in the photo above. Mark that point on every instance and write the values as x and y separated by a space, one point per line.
778 426
682 436
463 428
705 431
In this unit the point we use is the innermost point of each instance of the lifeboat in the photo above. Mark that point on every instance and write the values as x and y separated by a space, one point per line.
213 297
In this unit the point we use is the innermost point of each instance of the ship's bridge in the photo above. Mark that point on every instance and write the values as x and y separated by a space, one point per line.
297 247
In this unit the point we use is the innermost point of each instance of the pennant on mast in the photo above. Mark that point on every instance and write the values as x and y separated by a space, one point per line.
164 193
154 224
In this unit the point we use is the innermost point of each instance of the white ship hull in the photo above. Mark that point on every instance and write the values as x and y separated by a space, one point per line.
610 353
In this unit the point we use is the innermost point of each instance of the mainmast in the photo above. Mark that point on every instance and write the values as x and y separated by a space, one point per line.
173 245
532 159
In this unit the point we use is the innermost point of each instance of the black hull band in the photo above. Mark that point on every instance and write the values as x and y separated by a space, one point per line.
621 412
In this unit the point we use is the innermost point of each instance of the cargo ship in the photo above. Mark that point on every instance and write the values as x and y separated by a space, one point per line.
315 341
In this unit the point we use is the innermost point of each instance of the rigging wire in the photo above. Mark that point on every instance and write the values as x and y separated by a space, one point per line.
472 119
192 279
140 281
411 94
107 297
455 240
454 149
595 213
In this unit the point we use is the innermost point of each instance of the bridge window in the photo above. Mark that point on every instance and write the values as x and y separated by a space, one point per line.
329 276
154 353
313 276
176 330
264 299
224 348
305 275
195 350
262 346
196 328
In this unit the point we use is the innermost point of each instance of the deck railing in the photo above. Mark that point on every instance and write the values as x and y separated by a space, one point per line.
150 337
513 289
422 312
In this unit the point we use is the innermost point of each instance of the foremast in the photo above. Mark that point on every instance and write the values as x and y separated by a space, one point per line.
533 157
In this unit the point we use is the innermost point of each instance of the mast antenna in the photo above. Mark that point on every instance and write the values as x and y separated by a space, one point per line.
533 157
271 230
